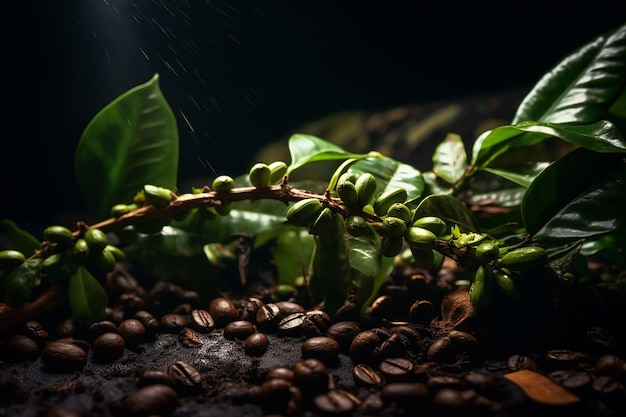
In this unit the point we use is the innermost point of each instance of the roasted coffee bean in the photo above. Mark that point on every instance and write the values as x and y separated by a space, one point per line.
343 332
517 362
347 312
133 331
116 315
20 348
442 350
395 346
449 401
481 382
575 381
424 371
223 311
366 376
608 387
268 317
384 306
422 312
35 331
412 336
335 402
131 303
155 376
184 309
202 321
188 338
238 329
463 342
108 347
311 376
293 324
372 405
601 340
405 393
438 382
58 356
66 328
383 333
324 348
280 373
101 327
396 369
321 320
610 365
364 347
151 400
150 323
173 323
287 307
276 395
248 310
256 344
186 378
560 359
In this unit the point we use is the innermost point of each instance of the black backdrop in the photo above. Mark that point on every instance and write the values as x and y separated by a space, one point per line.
241 73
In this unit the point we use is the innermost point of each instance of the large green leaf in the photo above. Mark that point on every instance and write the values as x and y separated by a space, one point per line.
17 286
581 88
600 137
131 142
450 159
571 177
305 149
293 254
87 298
521 175
391 174
20 239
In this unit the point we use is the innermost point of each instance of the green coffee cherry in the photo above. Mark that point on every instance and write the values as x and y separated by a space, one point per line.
486 252
391 245
432 223
60 235
117 253
10 259
525 257
223 184
347 193
393 226
348 176
365 188
260 175
224 208
120 209
80 249
386 199
506 280
400 211
278 170
54 268
481 289
324 224
157 196
302 212
356 225
103 260
423 258
96 239
420 238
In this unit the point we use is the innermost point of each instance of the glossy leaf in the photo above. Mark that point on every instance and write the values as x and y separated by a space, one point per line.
449 209
86 297
450 159
17 287
391 174
520 175
581 88
293 254
597 210
20 239
562 182
599 137
305 149
131 142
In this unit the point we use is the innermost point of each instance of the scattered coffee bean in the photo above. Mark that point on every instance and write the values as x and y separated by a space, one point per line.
366 376
348 312
151 400
517 362
173 323
131 303
186 377
311 376
610 365
335 402
287 307
66 328
422 311
405 393
448 401
133 331
202 321
150 323
101 327
58 356
293 324
343 332
575 381
268 317
608 387
383 333
223 311
35 331
321 320
281 373
155 376
20 348
238 329
395 346
396 369
249 308
364 347
561 359
256 344
276 395
438 382
324 348
108 347
412 336
442 350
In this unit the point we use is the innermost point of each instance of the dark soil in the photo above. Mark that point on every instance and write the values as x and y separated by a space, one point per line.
466 378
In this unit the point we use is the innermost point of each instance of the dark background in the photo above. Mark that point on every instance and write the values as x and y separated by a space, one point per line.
239 74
